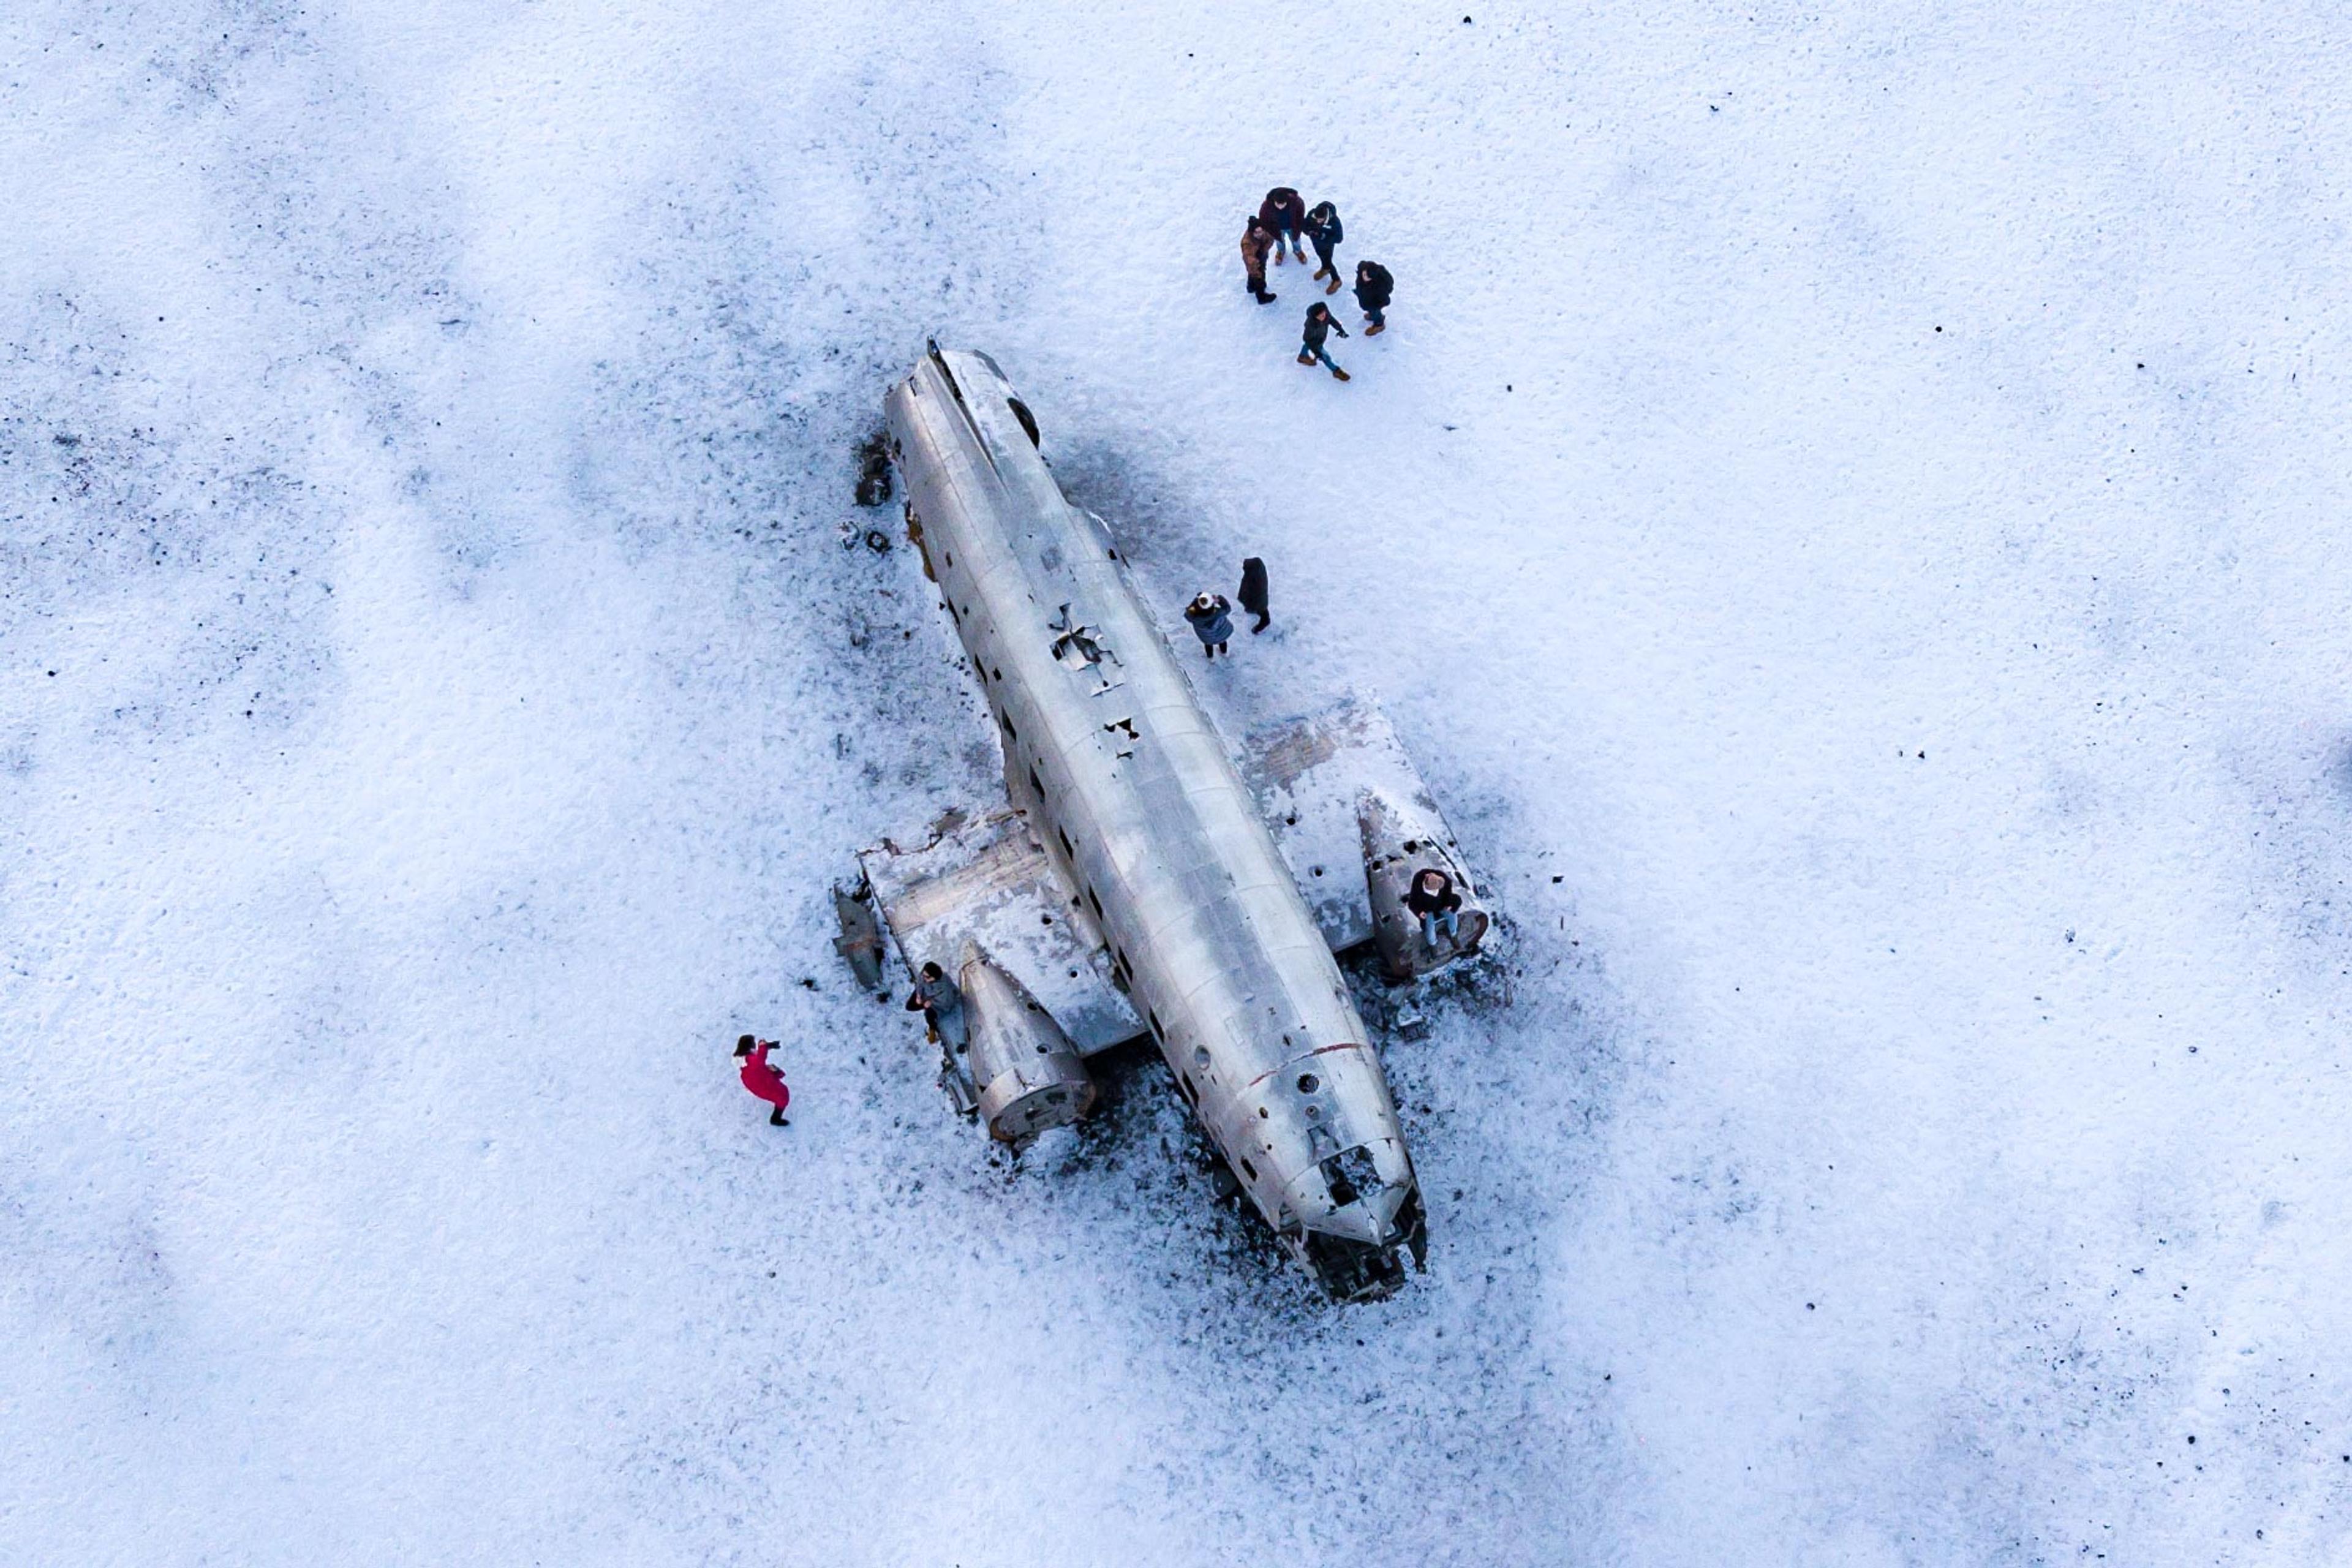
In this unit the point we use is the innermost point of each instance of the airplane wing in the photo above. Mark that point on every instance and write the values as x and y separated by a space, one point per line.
1343 796
982 882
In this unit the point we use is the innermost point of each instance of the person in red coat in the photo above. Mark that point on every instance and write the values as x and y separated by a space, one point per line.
765 1081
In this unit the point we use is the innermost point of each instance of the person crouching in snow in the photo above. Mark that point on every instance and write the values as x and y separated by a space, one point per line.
935 996
1211 617
1374 288
1320 325
765 1081
1439 907
1323 229
1257 240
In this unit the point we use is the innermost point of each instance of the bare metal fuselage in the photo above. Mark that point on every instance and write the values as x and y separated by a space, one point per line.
1129 789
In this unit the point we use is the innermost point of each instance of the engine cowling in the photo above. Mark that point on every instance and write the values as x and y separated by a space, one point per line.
1028 1074
1400 842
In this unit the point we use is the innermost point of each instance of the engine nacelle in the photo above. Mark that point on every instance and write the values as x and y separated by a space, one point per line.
1400 842
1028 1074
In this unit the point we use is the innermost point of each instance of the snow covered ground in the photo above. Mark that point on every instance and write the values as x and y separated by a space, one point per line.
1849 514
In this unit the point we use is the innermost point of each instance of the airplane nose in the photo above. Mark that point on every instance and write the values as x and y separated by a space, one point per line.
1371 1217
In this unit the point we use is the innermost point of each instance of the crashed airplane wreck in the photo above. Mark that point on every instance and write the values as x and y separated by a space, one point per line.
1141 879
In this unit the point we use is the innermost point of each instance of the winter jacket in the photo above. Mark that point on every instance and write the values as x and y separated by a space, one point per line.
763 1080
1373 286
1253 585
1319 328
938 997
1257 242
1284 210
1323 230
1212 624
1437 904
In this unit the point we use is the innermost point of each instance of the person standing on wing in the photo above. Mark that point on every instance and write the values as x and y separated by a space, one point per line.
1437 905
1323 229
1285 211
935 996
1211 619
1374 289
1321 324
1254 594
1257 240
765 1081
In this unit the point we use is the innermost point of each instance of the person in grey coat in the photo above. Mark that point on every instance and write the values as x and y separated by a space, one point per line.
935 996
1210 616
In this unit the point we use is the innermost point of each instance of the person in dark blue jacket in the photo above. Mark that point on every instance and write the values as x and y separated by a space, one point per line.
1323 229
1321 324
1210 616
1374 288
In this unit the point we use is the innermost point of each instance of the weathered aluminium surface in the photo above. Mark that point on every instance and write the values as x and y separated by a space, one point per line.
1136 882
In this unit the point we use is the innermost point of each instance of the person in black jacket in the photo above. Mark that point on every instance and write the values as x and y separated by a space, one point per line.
1323 229
1253 594
1321 324
1373 288
1433 899
1285 211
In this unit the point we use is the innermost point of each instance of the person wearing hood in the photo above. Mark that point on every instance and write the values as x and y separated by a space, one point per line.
1210 616
1321 324
1257 240
1254 594
1374 289
1285 211
1323 229
765 1081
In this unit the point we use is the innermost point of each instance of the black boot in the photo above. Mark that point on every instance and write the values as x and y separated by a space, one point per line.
776 1118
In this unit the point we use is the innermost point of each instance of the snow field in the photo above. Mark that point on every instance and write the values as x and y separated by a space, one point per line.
1852 496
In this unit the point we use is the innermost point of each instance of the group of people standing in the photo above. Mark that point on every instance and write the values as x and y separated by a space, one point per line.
1280 228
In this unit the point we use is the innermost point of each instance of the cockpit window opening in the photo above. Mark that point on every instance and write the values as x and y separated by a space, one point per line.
1028 420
